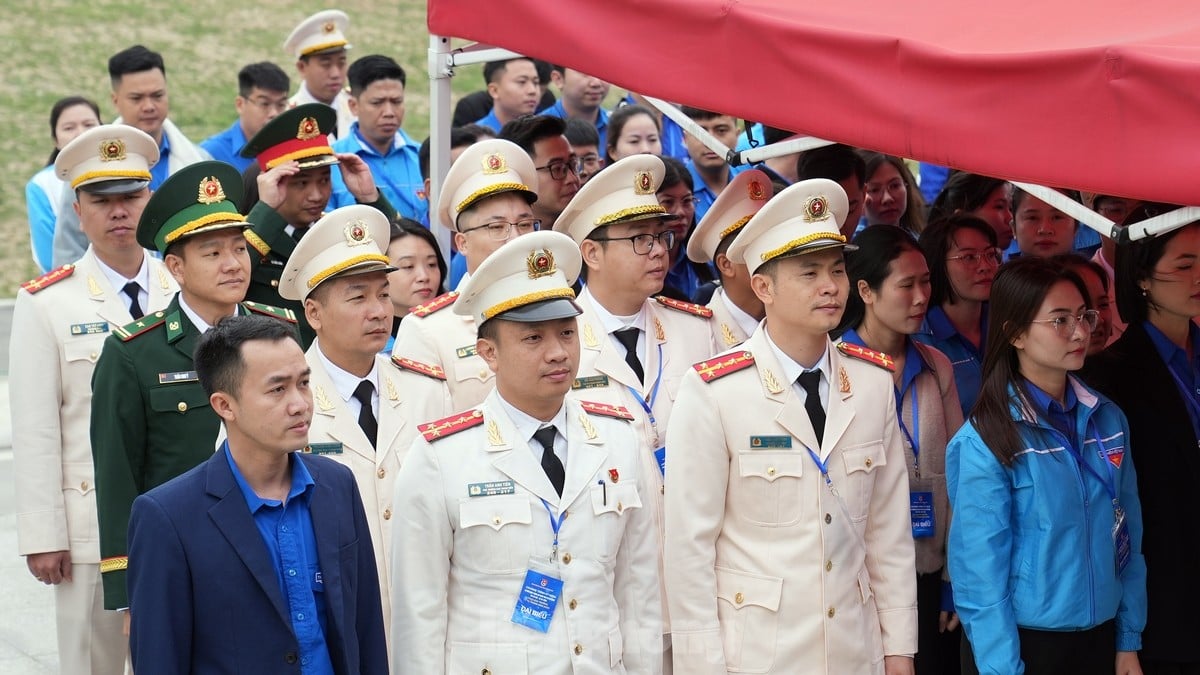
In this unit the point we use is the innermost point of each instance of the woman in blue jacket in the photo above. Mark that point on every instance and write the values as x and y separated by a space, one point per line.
1045 546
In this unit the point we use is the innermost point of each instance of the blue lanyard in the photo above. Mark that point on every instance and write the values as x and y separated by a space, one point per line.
1110 485
913 441
555 524
648 404
821 466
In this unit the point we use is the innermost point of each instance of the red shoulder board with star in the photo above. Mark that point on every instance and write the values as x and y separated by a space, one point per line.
440 302
425 369
48 279
448 426
716 368
687 307
869 355
606 410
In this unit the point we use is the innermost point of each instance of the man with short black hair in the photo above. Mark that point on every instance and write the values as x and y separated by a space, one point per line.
377 99
259 559
513 85
842 165
541 137
319 46
580 98
710 172
262 95
585 143
139 93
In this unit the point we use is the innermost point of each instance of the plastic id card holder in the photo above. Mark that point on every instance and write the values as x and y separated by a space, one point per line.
538 599
920 508
1122 545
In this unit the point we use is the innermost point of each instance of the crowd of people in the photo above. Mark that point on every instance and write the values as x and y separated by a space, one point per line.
264 425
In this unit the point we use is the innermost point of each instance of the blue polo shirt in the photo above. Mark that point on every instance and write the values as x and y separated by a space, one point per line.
287 531
397 174
704 196
941 334
225 146
159 172
557 110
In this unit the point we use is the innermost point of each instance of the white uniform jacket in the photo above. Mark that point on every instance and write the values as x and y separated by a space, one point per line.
57 334
770 570
432 333
469 517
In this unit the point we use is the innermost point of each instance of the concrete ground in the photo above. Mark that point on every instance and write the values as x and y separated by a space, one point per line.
27 640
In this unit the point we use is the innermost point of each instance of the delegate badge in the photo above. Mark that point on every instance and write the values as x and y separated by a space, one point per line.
920 508
537 601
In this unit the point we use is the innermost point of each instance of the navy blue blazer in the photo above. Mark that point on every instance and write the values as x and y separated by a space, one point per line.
203 593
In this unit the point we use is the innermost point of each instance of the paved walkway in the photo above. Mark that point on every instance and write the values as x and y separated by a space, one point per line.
27 639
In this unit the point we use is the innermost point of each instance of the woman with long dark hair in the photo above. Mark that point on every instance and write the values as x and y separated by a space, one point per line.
989 199
420 270
889 295
1153 372
1045 551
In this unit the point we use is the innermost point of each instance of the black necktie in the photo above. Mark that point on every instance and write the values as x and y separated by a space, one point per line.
811 382
551 464
298 233
366 416
628 338
131 289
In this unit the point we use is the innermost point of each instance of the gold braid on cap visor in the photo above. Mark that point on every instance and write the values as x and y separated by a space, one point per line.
116 174
737 225
487 190
344 265
204 221
527 299
301 154
632 211
322 46
796 243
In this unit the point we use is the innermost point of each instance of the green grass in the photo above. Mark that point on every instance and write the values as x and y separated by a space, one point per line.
57 48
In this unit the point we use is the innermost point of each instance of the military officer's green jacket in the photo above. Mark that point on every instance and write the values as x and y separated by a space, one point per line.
151 422
271 247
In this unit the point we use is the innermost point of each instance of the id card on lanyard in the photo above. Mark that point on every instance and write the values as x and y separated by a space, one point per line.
920 504
647 404
541 588
1122 544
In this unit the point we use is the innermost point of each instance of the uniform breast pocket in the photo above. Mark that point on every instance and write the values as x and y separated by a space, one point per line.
178 398
472 368
770 487
610 504
494 534
83 350
862 464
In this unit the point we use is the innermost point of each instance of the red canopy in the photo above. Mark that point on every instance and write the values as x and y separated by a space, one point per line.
1097 96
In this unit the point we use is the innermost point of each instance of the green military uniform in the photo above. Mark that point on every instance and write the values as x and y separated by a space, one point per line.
151 420
300 134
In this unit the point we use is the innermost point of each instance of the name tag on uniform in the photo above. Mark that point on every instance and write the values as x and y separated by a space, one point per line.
95 328
765 442
592 382
920 508
181 376
537 601
324 448
491 489
464 352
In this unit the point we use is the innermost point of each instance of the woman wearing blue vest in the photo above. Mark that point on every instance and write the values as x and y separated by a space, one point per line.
1045 550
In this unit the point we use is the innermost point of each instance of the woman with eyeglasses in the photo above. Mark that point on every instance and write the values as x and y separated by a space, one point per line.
962 256
889 296
1153 372
891 194
684 277
1045 551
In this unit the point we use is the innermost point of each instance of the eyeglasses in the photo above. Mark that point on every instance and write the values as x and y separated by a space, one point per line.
643 244
990 256
558 170
1065 325
278 105
895 187
499 230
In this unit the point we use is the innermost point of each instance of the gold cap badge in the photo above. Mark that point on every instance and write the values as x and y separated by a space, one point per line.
756 191
112 150
309 129
643 183
357 234
816 208
329 27
210 191
494 163
541 263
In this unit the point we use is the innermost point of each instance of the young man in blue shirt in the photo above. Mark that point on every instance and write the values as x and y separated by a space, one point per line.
262 95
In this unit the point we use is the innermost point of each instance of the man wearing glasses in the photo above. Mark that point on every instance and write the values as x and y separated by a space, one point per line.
557 164
262 95
487 199
636 347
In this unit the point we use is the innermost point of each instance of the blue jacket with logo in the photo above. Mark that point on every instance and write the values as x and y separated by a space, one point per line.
1032 545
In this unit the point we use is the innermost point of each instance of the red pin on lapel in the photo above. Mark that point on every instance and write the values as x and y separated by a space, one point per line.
613 475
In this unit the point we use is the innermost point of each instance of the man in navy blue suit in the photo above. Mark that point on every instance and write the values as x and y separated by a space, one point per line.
259 560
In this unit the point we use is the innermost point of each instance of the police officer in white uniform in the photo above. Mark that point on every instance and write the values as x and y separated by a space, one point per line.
788 533
522 541
59 325
319 46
